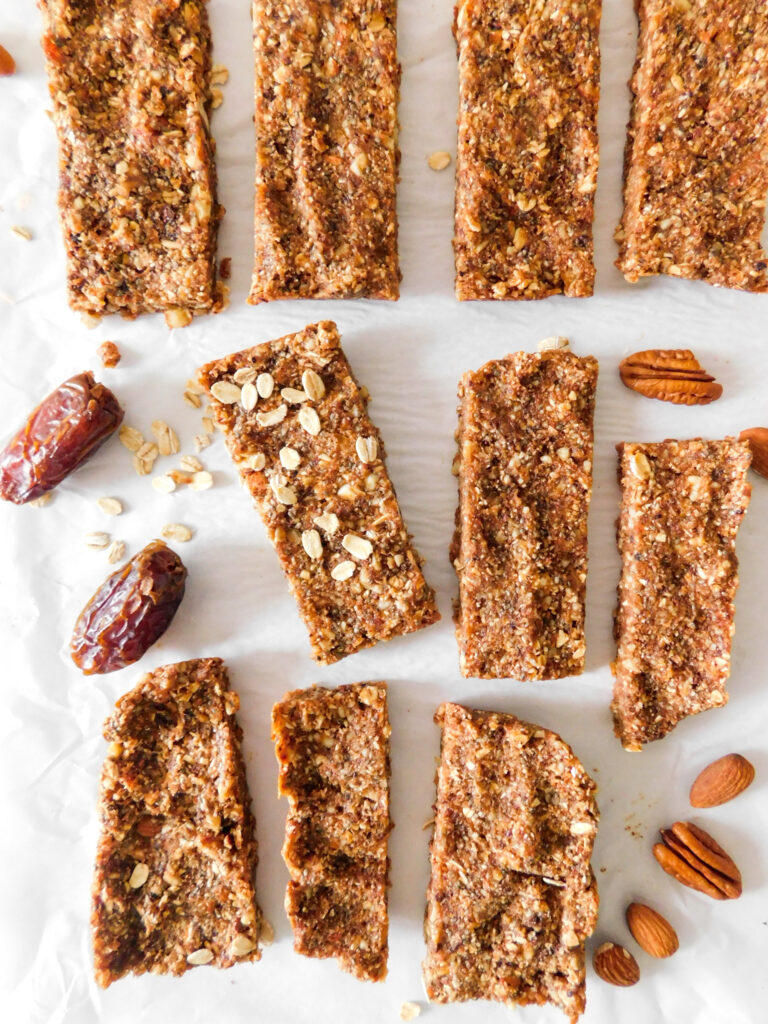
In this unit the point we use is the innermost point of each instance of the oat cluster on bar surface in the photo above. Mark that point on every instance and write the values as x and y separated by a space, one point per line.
520 547
526 167
137 180
297 428
696 162
511 896
177 854
332 747
327 81
681 506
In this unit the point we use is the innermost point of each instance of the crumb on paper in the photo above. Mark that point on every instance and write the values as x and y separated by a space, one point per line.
409 1011
109 354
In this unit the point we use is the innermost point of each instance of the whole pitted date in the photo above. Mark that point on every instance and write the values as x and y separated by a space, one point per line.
64 430
130 611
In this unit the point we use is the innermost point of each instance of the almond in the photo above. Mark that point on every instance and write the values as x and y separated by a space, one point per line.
615 965
651 931
692 856
721 781
671 375
758 442
7 63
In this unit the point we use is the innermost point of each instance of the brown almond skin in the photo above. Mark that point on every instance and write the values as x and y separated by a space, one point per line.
757 437
7 63
721 781
652 932
615 965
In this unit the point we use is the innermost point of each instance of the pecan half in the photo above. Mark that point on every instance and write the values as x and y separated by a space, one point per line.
692 856
671 375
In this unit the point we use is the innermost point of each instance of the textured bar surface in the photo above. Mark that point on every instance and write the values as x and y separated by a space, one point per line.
526 168
696 161
315 469
681 506
511 896
177 854
327 81
137 180
332 747
520 546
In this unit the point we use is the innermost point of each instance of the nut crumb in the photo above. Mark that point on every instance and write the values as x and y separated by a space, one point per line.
177 318
109 354
556 342
409 1011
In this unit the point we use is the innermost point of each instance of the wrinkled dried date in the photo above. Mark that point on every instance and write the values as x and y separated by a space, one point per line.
63 431
130 611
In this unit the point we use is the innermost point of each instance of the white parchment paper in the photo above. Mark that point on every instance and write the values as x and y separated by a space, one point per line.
410 355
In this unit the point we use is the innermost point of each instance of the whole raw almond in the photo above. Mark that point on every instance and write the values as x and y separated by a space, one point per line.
758 442
7 63
651 931
615 965
721 781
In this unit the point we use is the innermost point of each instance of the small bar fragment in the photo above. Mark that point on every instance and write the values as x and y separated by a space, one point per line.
296 426
681 506
520 547
512 897
130 82
526 166
327 82
696 159
177 854
332 747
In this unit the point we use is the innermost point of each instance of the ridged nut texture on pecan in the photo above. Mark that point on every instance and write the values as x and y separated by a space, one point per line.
692 856
671 375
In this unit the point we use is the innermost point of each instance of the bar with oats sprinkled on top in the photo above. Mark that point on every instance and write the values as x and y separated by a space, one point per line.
337 488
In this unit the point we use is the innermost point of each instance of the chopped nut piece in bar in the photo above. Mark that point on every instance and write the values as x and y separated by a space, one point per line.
520 546
327 81
511 896
137 181
174 882
681 506
337 501
695 168
526 167
333 750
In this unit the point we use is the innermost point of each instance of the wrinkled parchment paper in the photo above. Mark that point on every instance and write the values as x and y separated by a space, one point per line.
410 355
